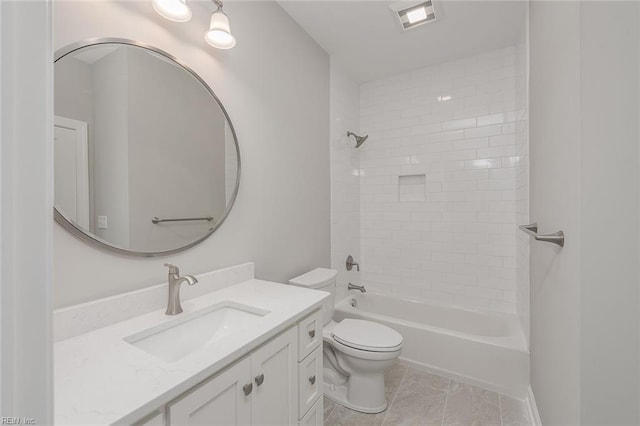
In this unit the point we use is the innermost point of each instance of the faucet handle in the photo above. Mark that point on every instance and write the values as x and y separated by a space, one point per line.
173 269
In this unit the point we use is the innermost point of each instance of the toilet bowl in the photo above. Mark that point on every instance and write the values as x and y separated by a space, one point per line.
355 352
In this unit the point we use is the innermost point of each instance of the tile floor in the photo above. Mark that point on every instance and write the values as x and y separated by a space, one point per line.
419 398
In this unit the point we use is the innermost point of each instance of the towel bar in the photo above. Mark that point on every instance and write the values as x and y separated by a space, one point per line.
555 238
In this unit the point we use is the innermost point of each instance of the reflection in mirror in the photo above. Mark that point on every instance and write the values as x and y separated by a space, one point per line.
137 137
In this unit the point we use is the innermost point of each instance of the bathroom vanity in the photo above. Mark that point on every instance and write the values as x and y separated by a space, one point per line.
244 351
237 350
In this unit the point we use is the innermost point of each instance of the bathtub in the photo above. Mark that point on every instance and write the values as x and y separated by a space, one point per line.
485 349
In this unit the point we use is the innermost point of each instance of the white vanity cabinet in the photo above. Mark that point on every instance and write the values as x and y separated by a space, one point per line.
258 362
269 386
219 401
261 389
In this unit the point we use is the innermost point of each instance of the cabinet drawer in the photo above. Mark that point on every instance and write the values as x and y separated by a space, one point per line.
309 381
315 415
309 334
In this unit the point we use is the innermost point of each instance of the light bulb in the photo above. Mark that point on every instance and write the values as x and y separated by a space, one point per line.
173 10
219 34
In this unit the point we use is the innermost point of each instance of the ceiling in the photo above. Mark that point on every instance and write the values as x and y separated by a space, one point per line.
94 54
365 37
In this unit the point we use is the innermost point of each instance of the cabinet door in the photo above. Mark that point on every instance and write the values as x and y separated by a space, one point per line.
310 381
219 401
274 370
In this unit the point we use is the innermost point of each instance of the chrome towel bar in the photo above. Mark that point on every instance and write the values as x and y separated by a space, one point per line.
157 220
555 238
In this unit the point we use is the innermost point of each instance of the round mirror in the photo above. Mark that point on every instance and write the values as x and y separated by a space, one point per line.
146 161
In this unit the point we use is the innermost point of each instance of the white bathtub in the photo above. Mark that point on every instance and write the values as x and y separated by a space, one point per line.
483 348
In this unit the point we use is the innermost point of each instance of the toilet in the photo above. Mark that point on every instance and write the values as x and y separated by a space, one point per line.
355 352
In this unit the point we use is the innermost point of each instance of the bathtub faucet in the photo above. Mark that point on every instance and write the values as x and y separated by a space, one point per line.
350 264
356 287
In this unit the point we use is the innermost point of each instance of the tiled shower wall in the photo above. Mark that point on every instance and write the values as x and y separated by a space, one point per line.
522 179
344 99
439 173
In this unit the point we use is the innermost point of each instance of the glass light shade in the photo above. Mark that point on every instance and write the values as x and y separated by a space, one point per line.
219 34
173 10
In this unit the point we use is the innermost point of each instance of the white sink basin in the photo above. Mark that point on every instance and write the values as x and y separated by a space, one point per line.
174 340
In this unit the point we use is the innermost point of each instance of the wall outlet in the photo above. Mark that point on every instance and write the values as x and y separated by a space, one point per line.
102 222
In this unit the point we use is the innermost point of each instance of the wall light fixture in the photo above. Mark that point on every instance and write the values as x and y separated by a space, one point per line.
219 33
173 10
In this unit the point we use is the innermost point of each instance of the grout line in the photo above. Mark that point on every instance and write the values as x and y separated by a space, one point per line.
395 394
330 412
446 399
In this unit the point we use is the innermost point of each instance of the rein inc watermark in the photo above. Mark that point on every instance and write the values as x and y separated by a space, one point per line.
17 421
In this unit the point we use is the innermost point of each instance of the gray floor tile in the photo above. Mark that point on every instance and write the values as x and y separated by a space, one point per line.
429 379
328 407
469 405
392 378
417 397
342 416
514 412
417 401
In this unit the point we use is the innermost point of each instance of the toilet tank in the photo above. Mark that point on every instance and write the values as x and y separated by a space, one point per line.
320 279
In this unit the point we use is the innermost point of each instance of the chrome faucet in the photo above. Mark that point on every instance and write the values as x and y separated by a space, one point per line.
174 307
351 264
356 287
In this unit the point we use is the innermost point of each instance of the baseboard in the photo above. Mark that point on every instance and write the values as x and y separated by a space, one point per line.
534 415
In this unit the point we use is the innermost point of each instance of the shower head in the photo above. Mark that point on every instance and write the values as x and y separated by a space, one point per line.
359 139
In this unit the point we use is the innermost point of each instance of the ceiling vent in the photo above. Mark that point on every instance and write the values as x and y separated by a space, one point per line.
413 14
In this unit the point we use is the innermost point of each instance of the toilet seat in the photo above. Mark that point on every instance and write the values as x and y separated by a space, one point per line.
366 336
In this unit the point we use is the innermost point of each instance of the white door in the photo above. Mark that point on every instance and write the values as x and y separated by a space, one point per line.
222 400
71 170
275 381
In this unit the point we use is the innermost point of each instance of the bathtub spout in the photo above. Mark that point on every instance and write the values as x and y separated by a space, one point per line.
356 287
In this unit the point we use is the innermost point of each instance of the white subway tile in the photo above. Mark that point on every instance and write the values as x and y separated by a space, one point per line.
452 237
463 123
480 132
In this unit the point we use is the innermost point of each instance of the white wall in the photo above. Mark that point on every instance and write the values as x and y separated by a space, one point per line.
584 180
609 214
26 216
345 180
275 87
175 171
451 236
110 147
555 203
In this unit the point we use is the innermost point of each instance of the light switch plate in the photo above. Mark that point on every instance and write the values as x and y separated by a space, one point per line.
102 222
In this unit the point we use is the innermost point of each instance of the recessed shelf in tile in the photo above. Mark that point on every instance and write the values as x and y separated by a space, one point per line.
411 188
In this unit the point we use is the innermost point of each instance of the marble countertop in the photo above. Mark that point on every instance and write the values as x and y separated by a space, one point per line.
101 379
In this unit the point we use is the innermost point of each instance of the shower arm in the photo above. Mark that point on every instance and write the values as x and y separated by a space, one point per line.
359 139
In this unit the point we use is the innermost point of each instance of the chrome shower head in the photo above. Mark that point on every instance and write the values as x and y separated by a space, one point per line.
359 139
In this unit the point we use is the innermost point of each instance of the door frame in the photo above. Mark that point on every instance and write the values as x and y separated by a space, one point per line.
82 167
